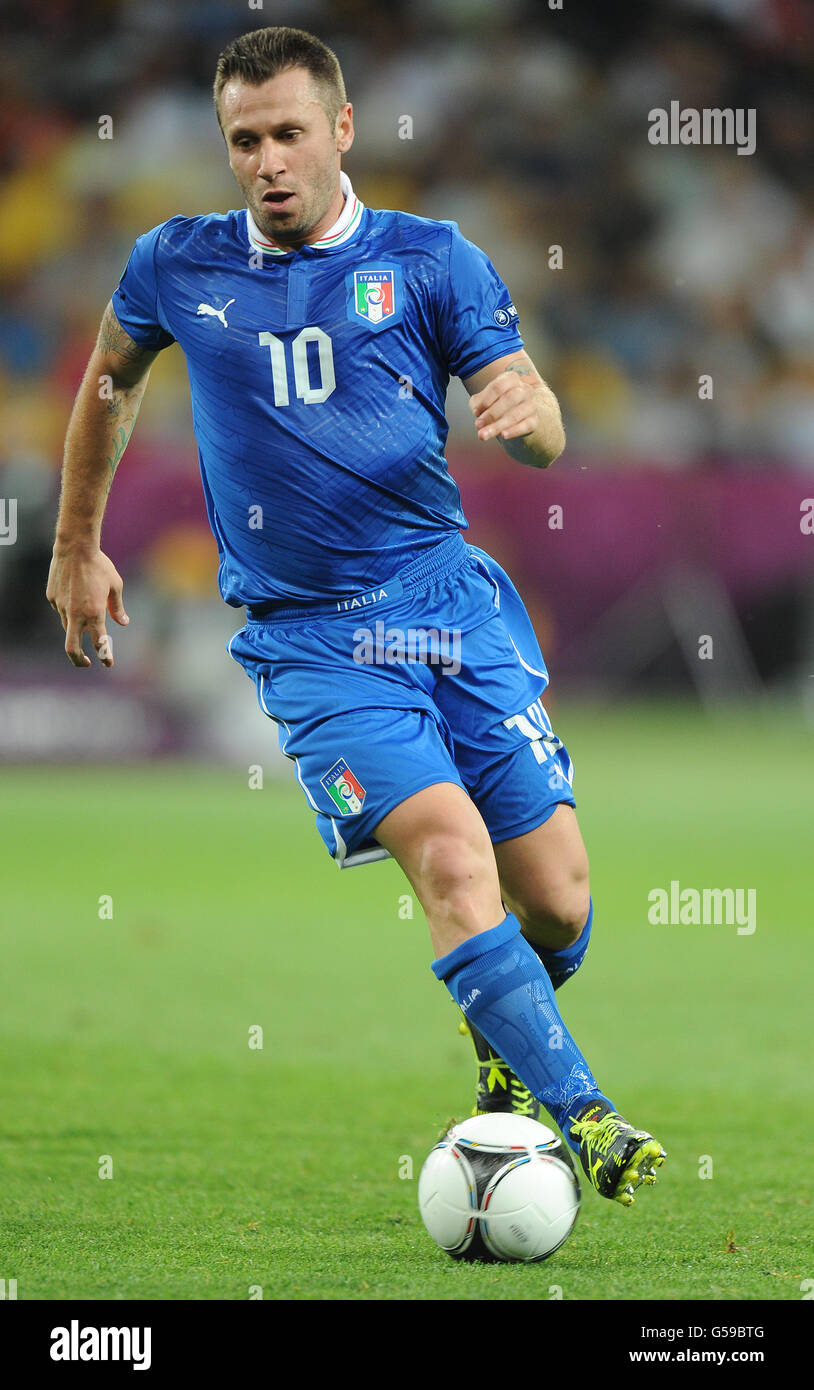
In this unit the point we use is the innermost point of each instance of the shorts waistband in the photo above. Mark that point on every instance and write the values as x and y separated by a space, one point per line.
435 564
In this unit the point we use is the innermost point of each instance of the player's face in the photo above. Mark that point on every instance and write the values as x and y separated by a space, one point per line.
285 155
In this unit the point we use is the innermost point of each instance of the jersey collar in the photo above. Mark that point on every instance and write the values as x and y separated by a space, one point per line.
342 230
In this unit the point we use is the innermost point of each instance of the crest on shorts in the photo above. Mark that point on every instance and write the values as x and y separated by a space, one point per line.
373 296
345 789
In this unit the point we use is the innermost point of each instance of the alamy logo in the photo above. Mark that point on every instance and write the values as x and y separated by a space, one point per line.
8 520
394 646
102 1344
705 907
204 309
711 126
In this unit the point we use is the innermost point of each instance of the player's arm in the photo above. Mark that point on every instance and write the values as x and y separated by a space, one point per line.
511 402
83 584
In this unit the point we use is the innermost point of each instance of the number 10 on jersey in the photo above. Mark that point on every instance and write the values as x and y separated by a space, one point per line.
307 393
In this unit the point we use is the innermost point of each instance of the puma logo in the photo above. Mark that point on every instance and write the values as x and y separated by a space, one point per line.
204 309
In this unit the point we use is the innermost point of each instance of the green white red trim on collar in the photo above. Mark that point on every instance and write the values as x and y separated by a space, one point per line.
342 230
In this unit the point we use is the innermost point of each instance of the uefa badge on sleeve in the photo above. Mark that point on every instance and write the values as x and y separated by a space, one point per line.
345 789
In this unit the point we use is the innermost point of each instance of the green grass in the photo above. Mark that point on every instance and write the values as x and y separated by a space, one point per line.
279 1167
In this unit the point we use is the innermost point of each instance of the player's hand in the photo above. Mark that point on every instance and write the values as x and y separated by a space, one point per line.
509 407
84 585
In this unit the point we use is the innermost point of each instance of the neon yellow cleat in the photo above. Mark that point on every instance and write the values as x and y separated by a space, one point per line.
616 1157
498 1088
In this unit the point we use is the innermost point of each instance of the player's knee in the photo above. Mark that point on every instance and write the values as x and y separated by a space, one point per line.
453 875
556 919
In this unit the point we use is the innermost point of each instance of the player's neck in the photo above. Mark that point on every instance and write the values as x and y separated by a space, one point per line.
332 215
334 226
325 225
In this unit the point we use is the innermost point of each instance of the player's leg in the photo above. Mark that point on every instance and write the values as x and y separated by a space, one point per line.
443 847
498 981
544 882
519 775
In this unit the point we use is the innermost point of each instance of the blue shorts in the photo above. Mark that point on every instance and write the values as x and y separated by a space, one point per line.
434 676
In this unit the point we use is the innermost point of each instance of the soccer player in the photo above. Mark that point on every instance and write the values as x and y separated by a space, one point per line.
397 661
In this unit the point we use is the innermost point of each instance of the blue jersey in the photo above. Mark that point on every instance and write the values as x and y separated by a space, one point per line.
318 381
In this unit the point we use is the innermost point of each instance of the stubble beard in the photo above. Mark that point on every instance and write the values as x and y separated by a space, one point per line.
284 235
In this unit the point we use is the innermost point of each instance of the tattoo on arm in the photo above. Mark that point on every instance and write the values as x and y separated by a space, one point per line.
548 436
119 445
114 342
521 368
128 366
122 410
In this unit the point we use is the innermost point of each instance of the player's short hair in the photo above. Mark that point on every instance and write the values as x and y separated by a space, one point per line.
263 53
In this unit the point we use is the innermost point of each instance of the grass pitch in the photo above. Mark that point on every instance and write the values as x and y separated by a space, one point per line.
125 1040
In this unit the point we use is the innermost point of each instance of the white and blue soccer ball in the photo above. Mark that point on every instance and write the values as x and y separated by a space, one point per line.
499 1187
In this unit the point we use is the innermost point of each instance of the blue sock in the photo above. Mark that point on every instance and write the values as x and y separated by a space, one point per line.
561 965
500 983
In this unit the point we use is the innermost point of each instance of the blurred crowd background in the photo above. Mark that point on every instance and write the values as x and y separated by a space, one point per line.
681 515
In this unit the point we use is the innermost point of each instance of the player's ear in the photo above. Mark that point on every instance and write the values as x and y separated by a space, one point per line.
344 128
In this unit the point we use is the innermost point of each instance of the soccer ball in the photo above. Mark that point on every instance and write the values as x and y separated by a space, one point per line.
499 1187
